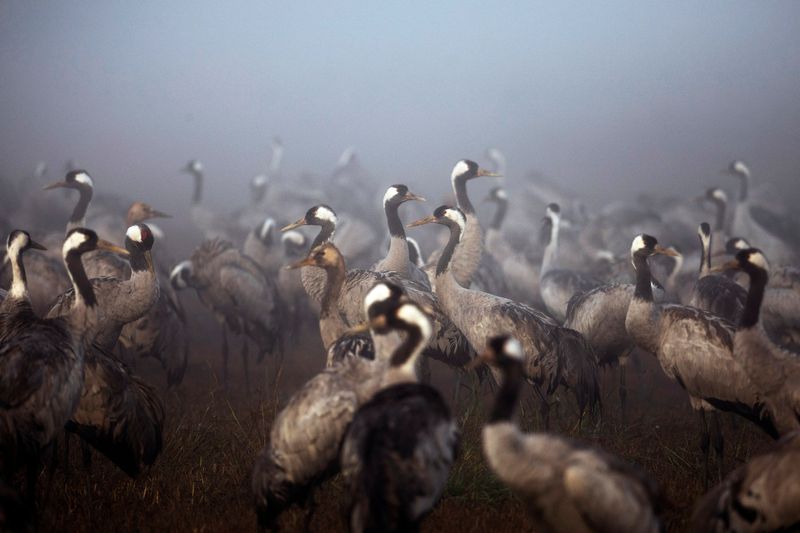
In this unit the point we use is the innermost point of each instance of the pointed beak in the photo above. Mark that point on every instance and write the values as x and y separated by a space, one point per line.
36 246
56 185
421 222
666 251
155 213
411 196
111 247
293 225
730 265
376 323
486 173
308 261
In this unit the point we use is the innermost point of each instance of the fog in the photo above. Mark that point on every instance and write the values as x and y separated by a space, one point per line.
608 100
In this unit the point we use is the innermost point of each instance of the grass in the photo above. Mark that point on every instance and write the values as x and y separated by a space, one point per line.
201 481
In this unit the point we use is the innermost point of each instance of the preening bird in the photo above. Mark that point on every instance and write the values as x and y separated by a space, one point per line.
566 485
398 450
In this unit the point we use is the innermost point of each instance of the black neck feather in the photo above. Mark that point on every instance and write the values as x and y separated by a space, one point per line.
413 338
324 234
138 259
755 295
705 254
499 215
644 290
447 253
80 280
460 188
79 213
393 219
506 401
20 269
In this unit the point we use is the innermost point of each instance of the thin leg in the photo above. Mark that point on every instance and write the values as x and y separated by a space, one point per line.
718 441
246 363
225 355
623 391
704 445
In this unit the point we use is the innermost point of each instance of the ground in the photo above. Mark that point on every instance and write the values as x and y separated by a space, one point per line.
201 481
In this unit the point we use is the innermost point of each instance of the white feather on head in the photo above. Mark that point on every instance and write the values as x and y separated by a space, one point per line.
378 293
391 192
84 179
459 169
134 233
513 348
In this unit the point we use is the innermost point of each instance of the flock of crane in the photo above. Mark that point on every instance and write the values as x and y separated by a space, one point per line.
719 308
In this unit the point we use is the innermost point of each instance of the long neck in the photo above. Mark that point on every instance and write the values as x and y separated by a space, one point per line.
551 250
138 260
720 214
755 295
644 289
19 281
78 217
325 234
443 266
506 401
197 195
499 215
397 257
334 281
705 255
404 359
460 190
84 294
744 182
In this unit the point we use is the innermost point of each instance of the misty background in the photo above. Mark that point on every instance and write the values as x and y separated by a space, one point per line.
610 100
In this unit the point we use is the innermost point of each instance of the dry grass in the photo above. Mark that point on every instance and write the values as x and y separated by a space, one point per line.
201 480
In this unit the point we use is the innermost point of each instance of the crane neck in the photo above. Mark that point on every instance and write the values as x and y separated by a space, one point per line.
325 234
705 255
551 250
443 266
755 295
19 281
84 293
78 217
403 362
721 211
744 183
197 195
460 190
644 289
505 402
393 220
499 214
334 281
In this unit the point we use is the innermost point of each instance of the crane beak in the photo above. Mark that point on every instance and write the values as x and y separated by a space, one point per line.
293 225
483 172
113 248
56 185
730 265
376 323
411 196
308 261
666 251
421 222
155 213
36 246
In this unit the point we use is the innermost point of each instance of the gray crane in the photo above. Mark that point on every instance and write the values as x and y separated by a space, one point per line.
715 293
566 485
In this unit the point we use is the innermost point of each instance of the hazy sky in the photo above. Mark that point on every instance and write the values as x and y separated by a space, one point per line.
636 95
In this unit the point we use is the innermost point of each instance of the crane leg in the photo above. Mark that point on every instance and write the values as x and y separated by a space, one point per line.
704 445
225 355
718 441
246 363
